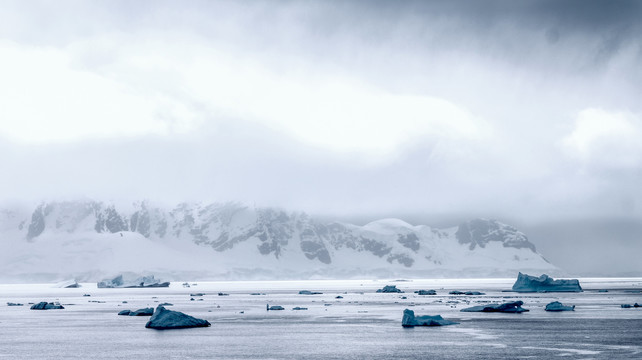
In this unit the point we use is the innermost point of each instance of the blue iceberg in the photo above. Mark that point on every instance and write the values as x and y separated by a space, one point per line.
164 319
409 320
43 305
558 306
510 307
544 283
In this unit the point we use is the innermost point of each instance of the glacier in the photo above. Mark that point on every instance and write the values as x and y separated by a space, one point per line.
91 240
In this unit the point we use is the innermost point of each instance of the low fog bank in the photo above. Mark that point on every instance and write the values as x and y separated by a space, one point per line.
590 247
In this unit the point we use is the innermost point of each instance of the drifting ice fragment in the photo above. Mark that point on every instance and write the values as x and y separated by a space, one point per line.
46 306
409 320
511 307
164 319
426 292
389 289
142 312
308 292
558 306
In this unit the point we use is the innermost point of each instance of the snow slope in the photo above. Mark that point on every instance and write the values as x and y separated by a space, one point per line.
90 240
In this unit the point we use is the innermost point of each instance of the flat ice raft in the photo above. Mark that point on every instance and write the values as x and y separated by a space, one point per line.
545 283
164 319
511 307
409 320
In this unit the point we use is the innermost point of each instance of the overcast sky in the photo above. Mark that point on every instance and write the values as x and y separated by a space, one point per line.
520 109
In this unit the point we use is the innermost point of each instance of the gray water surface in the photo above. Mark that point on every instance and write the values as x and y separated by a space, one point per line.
362 325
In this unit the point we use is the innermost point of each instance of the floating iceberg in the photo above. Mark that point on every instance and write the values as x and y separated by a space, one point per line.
141 282
389 289
558 306
409 320
142 312
274 307
308 292
67 284
299 308
124 312
426 292
544 283
628 306
474 293
164 319
511 307
46 306
14 304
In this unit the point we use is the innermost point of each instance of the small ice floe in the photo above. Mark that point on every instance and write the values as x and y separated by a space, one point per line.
510 307
338 297
426 292
255 293
71 283
125 312
142 312
299 308
197 294
558 306
164 319
308 292
86 295
274 307
457 292
14 304
409 320
544 283
43 305
628 306
389 289
223 294
186 285
166 304
602 290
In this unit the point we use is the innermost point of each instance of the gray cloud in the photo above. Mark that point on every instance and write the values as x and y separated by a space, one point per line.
524 70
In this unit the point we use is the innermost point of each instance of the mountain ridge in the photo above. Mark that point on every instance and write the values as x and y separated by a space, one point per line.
239 239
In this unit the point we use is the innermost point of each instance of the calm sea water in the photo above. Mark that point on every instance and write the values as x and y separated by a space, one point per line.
362 325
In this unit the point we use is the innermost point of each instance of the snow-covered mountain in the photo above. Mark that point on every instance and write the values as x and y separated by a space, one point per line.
89 240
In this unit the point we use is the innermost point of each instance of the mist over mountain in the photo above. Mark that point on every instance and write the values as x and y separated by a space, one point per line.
90 239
